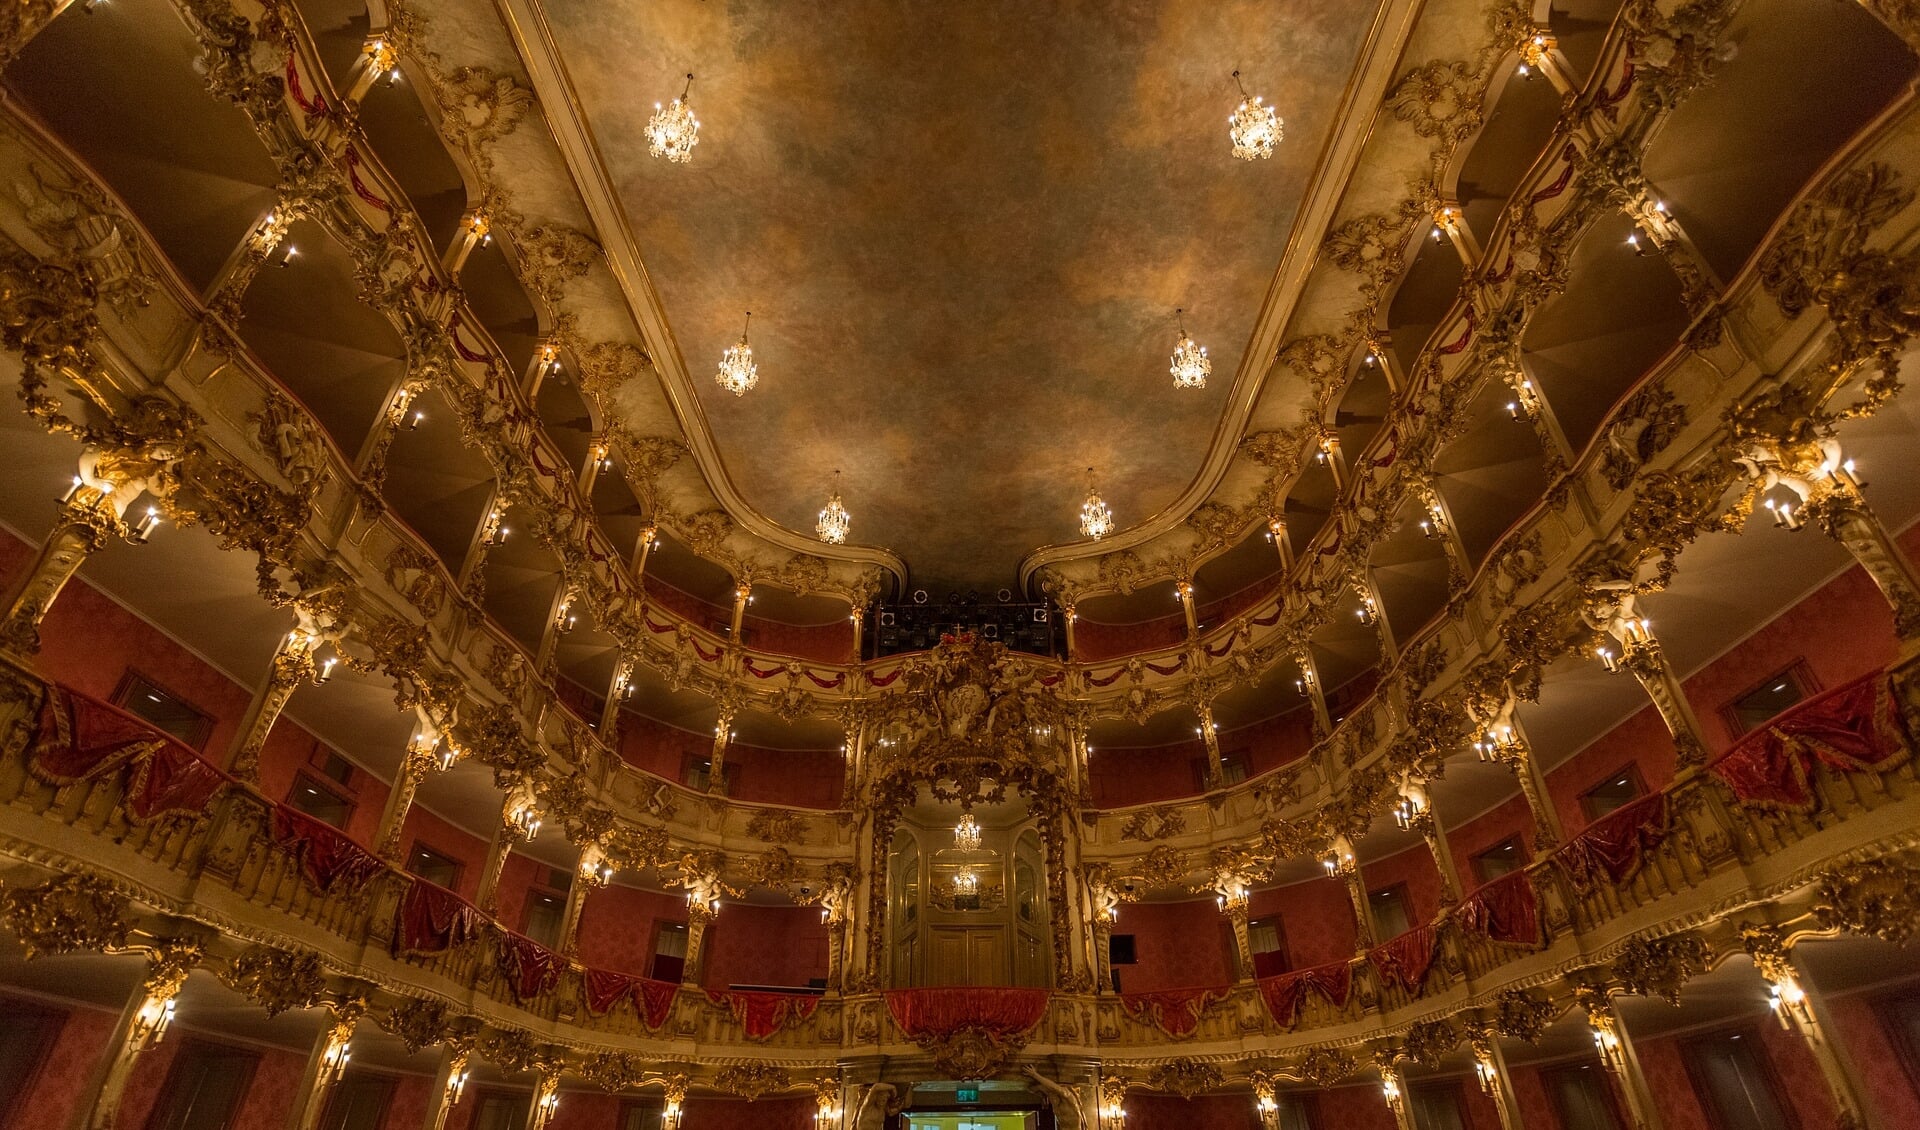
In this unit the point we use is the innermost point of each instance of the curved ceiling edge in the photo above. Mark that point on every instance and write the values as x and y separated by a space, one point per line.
526 24
1386 42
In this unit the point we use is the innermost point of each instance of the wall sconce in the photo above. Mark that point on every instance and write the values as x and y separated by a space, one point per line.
1391 1088
1234 897
325 672
1409 811
1783 516
1369 611
670 1115
493 531
457 1080
480 229
143 529
1484 1069
524 818
1788 1000
1498 744
150 1023
1607 659
567 619
333 1061
595 869
449 754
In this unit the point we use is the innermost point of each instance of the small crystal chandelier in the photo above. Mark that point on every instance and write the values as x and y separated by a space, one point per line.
966 834
737 372
1254 127
1096 521
1190 364
966 883
834 519
673 131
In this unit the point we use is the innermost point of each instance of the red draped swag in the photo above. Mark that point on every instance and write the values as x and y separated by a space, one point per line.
1176 1012
1404 961
1617 843
1286 992
651 999
1853 727
939 1012
433 919
531 969
761 1013
326 854
1506 910
80 738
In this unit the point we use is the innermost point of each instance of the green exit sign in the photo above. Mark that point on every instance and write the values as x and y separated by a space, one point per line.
967 1094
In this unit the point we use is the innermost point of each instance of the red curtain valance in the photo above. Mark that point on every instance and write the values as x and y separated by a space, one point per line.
1617 843
763 1013
433 919
937 1012
81 737
327 855
1506 910
1854 727
1176 1012
653 1000
1286 992
531 969
1405 960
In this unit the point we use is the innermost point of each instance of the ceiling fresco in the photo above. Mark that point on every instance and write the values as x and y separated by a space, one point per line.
963 231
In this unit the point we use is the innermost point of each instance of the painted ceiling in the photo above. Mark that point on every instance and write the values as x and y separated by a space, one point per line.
963 231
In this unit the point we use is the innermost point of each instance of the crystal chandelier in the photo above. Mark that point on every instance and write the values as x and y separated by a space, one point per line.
1254 127
1190 364
834 519
1096 521
737 372
966 883
673 131
966 834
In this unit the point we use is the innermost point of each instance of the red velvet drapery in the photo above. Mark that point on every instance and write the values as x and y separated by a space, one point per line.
1853 727
1176 1012
762 1013
1286 992
1506 910
1404 960
327 855
937 1012
651 999
81 737
433 919
531 969
1616 843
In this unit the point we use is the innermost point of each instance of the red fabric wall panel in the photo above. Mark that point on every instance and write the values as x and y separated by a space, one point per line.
518 875
787 1112
1530 1092
1356 1108
803 778
658 748
1179 945
1146 1111
1803 632
1094 641
1316 916
270 1095
407 1108
1641 740
61 1085
424 827
1667 1080
1889 1088
584 1110
1414 867
149 1074
765 945
1122 775
1274 742
1508 818
617 927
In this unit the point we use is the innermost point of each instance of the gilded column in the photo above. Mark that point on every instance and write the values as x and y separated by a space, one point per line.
1309 685
90 518
593 873
1490 1066
1341 864
1416 814
1801 1011
1617 1055
326 1063
415 764
1632 647
143 1023
717 762
1235 901
293 664
504 834
1393 1086
1503 741
700 914
545 1101
449 1081
1184 588
1210 738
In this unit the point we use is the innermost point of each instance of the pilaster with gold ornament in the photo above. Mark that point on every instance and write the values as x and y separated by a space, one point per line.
703 906
1209 734
416 763
92 515
1616 1050
1393 1087
1801 1010
1341 863
1103 903
1309 685
722 738
327 1062
1183 589
294 664
1450 224
1629 644
1438 526
1113 1102
1525 404
1503 741
449 1083
510 830
143 1023
1415 813
545 1101
1788 448
1235 900
1490 1070
594 871
1266 1099
1373 613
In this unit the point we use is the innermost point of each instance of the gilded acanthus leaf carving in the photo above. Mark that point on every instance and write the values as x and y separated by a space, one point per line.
1880 898
751 1080
277 979
1186 1077
1430 1041
1661 966
1522 1015
1439 100
66 914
